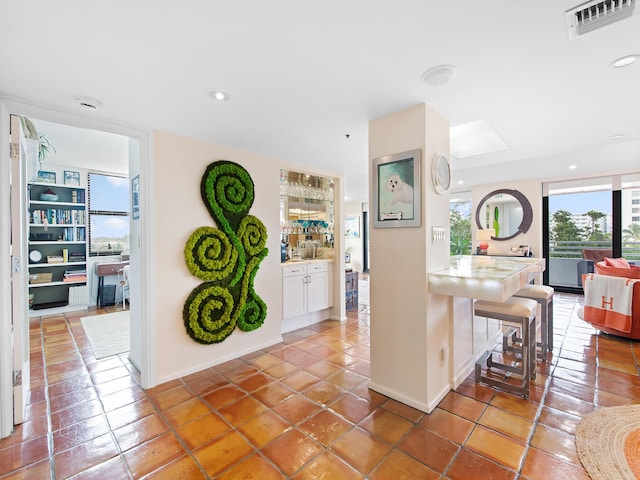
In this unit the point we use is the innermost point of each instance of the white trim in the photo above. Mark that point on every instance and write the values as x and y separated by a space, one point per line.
145 136
6 353
391 393
147 272
220 360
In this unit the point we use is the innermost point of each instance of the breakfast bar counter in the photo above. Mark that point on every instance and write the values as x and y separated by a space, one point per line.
485 277
478 277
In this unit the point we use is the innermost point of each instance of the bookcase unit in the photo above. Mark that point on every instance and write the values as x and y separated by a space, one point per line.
57 248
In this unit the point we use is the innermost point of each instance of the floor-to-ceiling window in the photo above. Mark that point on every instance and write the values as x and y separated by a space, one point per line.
585 221
630 216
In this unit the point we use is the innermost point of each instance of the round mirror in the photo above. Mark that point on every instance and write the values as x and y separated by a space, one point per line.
508 212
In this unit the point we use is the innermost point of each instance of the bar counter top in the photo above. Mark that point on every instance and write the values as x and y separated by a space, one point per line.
485 277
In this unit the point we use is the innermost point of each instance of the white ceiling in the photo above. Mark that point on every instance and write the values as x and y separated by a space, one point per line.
302 75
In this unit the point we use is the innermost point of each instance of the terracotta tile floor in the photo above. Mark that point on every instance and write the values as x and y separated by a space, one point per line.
302 410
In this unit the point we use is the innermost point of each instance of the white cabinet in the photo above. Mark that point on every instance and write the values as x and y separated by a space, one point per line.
294 290
306 288
318 291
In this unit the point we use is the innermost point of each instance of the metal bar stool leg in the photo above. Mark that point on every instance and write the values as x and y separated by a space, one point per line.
522 313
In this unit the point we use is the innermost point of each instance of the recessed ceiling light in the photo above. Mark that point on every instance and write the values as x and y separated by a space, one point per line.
572 167
87 103
440 75
625 61
460 182
617 136
220 96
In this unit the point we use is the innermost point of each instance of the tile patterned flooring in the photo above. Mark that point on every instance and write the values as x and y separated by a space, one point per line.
302 410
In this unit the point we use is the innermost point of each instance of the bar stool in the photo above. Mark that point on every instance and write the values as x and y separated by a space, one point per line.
542 294
522 313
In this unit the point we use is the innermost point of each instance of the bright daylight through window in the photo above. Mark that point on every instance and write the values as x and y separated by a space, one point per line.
108 214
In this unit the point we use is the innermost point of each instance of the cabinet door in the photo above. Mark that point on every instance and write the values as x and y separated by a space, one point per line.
318 291
294 296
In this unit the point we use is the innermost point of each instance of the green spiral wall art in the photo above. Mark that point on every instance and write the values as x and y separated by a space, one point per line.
226 258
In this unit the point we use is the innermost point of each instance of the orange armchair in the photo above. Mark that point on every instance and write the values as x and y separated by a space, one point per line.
620 268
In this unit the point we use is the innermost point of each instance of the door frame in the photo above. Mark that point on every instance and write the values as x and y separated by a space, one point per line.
19 311
146 271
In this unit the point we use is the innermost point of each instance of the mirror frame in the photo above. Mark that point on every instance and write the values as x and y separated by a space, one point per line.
527 212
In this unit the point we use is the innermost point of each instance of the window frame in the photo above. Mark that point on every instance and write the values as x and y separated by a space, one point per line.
111 213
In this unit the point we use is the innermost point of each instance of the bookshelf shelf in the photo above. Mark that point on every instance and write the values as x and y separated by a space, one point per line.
57 248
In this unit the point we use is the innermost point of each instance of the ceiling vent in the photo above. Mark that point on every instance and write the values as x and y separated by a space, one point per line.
592 15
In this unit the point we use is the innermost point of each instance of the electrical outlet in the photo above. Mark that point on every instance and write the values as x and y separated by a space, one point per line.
444 353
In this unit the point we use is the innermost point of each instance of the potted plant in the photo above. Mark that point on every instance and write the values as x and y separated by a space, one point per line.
36 141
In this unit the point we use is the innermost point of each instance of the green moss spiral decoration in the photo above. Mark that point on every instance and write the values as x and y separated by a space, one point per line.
226 258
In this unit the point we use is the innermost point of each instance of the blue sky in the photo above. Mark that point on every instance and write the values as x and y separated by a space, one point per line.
109 194
581 202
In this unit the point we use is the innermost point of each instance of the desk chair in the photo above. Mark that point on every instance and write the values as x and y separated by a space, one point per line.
123 278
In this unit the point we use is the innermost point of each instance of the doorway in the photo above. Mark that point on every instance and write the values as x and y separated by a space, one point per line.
136 147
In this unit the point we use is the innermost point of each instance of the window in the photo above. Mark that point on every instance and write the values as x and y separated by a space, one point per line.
580 216
108 214
584 214
460 224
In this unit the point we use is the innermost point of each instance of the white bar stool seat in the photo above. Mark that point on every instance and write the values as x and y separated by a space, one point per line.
522 313
542 294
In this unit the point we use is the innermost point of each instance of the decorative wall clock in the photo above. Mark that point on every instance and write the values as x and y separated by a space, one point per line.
441 173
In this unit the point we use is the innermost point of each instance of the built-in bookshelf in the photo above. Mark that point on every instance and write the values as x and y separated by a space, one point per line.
57 248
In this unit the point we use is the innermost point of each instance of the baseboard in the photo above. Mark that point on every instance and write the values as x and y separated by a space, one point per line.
389 392
218 361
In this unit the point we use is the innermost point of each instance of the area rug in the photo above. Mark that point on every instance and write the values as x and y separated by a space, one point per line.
108 334
608 443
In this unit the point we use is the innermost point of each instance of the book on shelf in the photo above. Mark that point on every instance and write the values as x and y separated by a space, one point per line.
75 275
57 216
75 257
78 295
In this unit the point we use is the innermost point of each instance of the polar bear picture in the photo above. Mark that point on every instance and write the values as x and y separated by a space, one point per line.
402 192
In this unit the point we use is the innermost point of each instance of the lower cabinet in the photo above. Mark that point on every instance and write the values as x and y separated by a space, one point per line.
305 288
351 290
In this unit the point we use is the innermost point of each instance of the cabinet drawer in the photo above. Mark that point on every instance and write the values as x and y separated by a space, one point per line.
293 270
317 267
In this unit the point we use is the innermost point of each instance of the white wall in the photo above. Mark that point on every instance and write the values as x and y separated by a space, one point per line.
179 210
409 327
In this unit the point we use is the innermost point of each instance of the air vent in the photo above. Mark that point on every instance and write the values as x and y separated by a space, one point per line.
592 15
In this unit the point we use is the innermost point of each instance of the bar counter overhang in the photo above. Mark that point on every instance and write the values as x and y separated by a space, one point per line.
483 277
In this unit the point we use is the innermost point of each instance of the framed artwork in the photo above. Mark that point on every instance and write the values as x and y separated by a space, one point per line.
46 177
519 250
396 183
135 197
71 178
352 227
